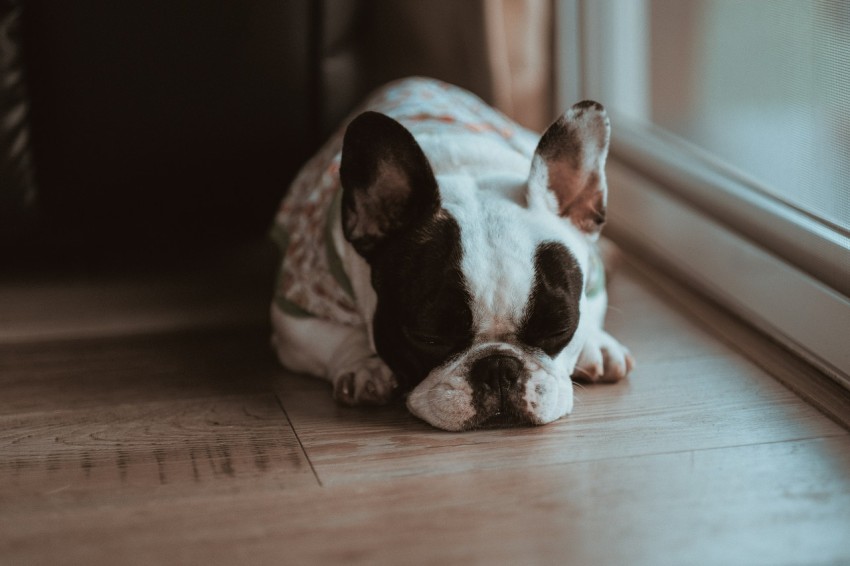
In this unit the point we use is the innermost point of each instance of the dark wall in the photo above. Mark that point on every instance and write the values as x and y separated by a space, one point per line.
166 121
163 125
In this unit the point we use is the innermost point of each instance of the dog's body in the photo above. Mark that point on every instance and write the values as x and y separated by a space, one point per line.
458 263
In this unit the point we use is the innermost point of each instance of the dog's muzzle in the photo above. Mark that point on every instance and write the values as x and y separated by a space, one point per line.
495 374
497 382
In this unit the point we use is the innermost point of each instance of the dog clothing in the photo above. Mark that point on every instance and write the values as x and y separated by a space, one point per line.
311 281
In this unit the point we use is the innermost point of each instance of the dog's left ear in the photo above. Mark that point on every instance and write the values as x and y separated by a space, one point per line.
568 167
388 184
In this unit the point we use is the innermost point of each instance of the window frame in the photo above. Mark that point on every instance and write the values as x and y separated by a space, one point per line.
718 231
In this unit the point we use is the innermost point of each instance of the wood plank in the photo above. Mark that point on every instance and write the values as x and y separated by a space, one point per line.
139 451
641 318
774 504
47 376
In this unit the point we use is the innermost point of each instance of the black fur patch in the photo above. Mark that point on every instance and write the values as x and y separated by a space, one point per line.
552 314
423 316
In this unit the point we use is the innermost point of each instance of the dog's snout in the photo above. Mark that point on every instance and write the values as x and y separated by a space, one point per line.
496 372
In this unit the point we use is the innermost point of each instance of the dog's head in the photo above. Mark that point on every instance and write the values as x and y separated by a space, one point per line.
480 279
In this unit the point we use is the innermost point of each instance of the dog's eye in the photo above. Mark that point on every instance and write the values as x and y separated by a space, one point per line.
435 347
557 335
424 338
549 340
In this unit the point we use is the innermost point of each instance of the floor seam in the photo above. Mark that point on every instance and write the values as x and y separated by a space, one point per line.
298 438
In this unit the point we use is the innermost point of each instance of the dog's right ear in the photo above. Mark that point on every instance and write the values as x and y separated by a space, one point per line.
388 184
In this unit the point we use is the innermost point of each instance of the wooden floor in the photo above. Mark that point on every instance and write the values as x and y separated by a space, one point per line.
143 420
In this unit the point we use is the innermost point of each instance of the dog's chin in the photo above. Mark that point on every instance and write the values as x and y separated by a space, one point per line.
450 403
507 417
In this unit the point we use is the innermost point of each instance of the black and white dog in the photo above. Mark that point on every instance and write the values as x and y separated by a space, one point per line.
458 263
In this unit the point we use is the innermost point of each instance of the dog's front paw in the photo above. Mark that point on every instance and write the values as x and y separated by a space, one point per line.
603 358
369 383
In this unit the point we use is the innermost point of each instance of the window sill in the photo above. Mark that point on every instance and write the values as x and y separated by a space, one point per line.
805 316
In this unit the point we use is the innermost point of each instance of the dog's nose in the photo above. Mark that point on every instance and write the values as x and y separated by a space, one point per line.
496 372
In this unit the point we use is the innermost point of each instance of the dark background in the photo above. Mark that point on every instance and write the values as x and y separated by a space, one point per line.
165 127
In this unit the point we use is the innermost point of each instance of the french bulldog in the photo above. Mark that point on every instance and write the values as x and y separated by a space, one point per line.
435 249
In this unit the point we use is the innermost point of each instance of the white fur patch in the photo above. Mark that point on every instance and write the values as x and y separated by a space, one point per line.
444 398
497 259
